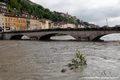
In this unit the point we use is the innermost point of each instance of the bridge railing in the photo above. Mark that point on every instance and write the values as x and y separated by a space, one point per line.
70 29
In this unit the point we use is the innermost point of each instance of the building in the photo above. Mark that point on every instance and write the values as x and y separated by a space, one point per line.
40 24
47 24
81 26
15 23
93 26
2 21
35 24
68 25
3 7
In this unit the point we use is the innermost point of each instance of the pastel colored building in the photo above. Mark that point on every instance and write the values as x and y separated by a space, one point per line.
35 24
68 25
15 23
47 24
40 24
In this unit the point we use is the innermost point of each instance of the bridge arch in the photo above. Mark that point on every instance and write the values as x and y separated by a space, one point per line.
34 38
16 37
48 36
98 37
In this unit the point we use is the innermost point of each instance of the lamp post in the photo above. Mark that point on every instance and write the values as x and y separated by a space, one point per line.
107 22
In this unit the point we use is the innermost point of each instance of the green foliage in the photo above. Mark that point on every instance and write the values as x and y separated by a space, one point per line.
78 61
15 4
26 6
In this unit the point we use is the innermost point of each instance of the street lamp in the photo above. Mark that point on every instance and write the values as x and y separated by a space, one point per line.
107 22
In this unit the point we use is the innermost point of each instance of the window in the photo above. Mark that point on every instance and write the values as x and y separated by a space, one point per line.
6 19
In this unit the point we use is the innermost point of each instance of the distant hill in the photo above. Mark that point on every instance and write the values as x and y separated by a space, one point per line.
26 6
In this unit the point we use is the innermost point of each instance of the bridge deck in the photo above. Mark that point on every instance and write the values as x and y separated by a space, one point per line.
69 29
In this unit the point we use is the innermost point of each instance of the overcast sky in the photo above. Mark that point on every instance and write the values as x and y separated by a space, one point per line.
95 11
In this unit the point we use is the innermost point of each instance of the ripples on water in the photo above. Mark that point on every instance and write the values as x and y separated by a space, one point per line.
44 60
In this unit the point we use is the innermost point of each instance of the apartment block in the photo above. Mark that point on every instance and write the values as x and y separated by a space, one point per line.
40 24
3 7
2 21
15 23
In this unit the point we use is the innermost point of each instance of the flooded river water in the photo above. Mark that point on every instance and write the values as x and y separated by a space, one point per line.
44 60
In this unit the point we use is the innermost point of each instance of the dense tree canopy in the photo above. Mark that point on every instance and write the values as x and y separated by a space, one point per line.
19 6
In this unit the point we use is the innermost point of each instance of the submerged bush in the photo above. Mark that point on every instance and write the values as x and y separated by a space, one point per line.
78 61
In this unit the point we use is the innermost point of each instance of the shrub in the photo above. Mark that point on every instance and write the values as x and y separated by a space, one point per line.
78 61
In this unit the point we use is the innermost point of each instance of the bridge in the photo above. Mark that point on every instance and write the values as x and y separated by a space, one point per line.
82 34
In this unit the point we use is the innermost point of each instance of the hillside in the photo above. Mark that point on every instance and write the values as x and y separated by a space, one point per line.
26 6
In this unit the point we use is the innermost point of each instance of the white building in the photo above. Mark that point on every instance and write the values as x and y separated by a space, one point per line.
35 24
47 24
68 25
40 24
3 7
81 26
2 21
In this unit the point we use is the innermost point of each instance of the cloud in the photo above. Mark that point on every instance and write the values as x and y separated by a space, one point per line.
89 10
98 14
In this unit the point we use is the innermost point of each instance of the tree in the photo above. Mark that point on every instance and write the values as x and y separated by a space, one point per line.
26 6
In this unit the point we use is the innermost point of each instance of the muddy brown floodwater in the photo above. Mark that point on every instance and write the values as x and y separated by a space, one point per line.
44 60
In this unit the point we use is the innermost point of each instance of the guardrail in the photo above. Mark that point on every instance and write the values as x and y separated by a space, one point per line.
69 29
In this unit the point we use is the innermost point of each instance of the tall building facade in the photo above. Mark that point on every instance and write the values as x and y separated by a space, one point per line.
35 24
47 24
40 24
2 21
3 7
15 23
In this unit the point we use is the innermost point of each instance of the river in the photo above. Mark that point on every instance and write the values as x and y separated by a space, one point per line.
44 60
